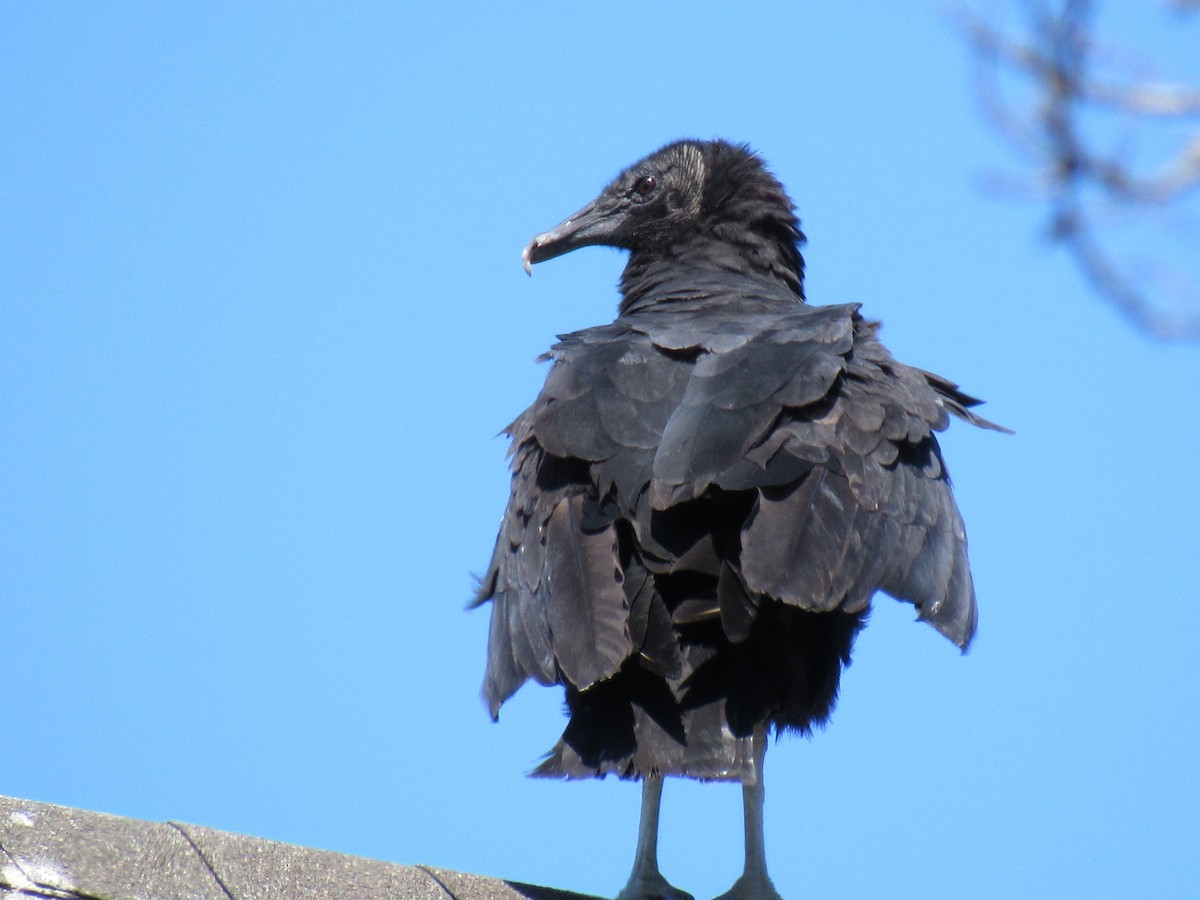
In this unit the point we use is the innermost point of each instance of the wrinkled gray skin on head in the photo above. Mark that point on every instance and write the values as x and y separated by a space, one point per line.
643 208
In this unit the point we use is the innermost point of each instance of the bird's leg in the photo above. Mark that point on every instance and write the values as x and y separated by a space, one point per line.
754 884
645 881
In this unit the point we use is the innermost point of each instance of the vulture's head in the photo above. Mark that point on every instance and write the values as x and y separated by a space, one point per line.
687 198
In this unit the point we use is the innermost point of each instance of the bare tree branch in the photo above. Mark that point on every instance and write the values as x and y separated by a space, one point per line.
1055 59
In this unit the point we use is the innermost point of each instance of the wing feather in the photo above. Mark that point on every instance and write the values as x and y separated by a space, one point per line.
587 608
802 411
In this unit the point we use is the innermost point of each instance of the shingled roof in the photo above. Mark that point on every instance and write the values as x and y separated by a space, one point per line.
51 851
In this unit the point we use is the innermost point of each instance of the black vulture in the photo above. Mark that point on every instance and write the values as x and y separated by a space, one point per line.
708 492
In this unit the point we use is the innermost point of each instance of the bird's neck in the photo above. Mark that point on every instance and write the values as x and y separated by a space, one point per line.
710 267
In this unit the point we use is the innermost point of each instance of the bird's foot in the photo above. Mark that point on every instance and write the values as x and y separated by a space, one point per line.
752 887
651 887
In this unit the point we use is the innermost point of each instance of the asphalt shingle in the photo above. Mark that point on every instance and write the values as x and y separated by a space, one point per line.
49 851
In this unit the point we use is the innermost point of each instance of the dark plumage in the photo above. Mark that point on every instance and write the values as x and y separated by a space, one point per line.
708 491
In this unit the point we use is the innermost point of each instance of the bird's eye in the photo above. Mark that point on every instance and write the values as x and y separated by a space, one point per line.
644 186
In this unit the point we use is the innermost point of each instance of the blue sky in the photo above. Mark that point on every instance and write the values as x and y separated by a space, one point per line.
262 316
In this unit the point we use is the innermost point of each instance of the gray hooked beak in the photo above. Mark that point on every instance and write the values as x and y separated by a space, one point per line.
594 224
